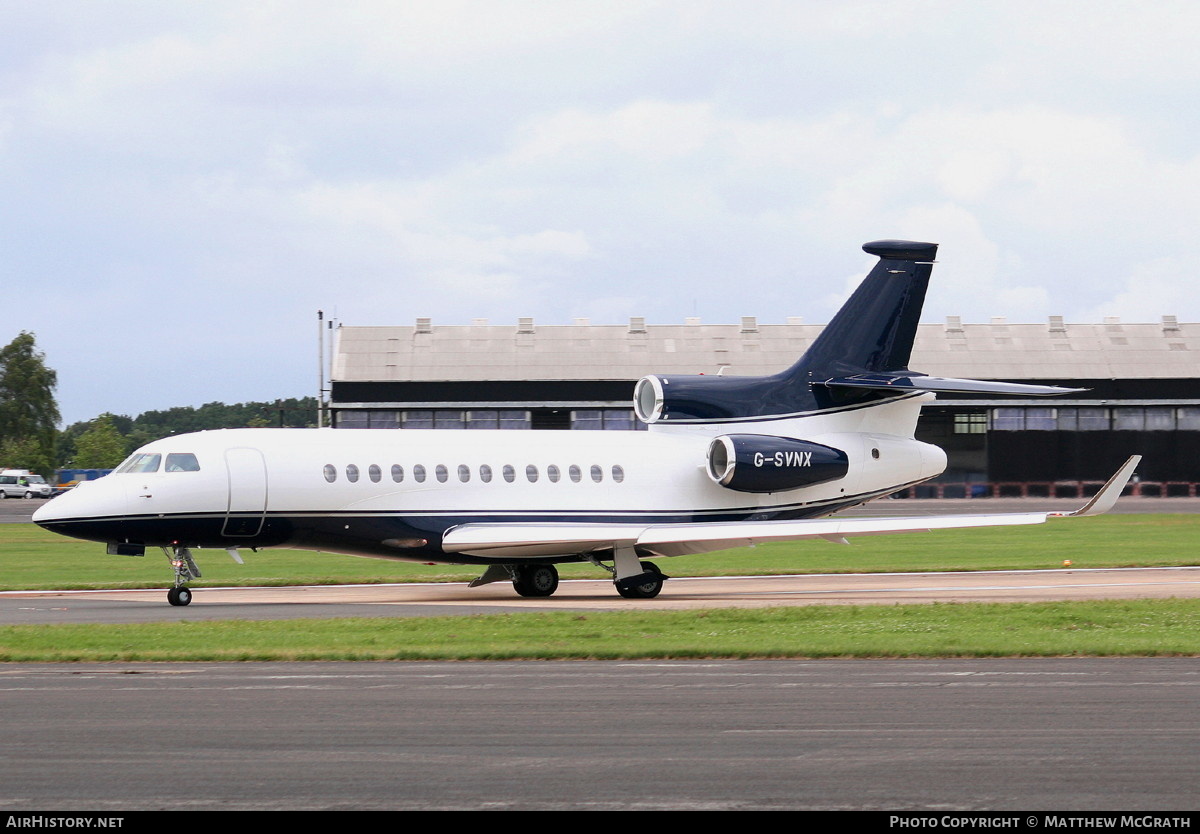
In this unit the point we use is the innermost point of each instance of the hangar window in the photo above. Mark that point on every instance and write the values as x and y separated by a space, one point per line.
597 473
531 473
352 420
1008 419
514 418
486 419
449 420
604 419
1143 419
352 473
553 473
1160 419
419 473
397 473
485 473
1091 419
1023 419
1188 418
510 474
464 472
182 462
417 419
441 473
383 419
374 473
575 473
970 423
1039 419
330 472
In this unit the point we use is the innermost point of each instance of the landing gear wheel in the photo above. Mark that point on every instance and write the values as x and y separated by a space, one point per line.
536 580
179 596
647 590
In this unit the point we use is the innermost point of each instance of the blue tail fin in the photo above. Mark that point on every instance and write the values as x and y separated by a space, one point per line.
860 357
875 329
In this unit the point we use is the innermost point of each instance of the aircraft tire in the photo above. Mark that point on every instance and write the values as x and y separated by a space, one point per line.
647 590
179 596
536 580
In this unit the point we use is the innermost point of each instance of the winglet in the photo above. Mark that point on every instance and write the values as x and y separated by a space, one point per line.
1104 500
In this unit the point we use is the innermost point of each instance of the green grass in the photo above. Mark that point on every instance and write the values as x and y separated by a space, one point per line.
32 558
1123 628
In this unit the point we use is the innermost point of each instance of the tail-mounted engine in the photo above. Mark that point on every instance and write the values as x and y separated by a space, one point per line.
764 463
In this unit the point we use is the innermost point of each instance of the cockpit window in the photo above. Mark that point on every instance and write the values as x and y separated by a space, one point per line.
182 462
140 462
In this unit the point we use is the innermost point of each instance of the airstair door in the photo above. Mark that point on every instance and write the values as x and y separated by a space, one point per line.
247 492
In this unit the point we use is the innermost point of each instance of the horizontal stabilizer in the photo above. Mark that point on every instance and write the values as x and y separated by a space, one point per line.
945 385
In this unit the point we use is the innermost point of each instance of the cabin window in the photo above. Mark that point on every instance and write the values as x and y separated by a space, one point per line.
553 473
576 473
510 474
419 473
374 473
618 473
330 472
464 472
485 473
140 462
397 473
182 462
352 473
597 473
441 473
531 472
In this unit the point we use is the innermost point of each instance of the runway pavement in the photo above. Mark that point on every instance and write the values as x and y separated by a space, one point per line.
450 599
1038 734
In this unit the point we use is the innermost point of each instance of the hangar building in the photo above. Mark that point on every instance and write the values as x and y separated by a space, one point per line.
1143 381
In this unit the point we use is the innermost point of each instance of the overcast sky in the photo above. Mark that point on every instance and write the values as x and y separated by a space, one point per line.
186 184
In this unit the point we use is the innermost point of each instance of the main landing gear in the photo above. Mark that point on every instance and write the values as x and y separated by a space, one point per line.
647 585
633 578
535 580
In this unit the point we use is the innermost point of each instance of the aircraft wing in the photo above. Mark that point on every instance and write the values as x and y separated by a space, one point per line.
523 540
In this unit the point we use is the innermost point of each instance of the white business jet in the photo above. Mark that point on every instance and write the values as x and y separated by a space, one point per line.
726 462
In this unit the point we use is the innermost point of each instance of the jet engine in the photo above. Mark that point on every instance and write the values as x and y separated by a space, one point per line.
766 463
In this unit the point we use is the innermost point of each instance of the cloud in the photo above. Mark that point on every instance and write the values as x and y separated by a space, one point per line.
247 164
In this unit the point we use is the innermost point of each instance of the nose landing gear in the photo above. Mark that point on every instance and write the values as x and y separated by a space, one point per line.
185 571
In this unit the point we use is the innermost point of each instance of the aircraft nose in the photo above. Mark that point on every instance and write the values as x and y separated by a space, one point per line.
45 512
59 508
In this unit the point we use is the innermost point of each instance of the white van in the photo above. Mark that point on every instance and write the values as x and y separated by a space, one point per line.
21 483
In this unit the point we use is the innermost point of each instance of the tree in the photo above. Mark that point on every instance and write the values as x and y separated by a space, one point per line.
101 446
28 411
25 453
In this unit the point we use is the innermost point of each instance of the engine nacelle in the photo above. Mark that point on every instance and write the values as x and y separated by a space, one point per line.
764 463
676 399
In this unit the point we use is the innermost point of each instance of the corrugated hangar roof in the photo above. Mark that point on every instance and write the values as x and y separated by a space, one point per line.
996 350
